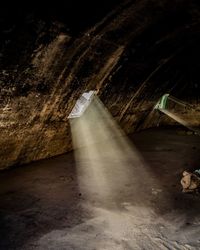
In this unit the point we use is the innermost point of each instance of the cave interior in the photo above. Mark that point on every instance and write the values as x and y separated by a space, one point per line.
99 117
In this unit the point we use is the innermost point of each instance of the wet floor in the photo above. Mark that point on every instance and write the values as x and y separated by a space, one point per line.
43 207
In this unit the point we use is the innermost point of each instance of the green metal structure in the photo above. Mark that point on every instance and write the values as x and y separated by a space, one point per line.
162 103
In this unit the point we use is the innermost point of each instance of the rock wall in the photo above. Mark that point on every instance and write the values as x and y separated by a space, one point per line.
134 52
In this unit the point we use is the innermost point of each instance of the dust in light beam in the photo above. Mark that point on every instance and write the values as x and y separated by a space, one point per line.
107 162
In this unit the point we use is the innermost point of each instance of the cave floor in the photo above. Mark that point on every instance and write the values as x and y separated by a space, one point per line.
41 206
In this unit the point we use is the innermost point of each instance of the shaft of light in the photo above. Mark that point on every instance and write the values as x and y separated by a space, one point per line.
107 163
183 113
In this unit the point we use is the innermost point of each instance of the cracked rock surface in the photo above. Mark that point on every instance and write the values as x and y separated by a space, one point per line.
131 51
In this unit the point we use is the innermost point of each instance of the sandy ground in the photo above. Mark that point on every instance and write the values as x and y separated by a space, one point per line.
42 206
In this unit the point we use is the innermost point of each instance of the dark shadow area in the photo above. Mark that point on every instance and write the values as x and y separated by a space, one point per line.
77 15
168 153
37 199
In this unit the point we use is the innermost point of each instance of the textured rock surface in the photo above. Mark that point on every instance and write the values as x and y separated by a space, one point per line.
132 51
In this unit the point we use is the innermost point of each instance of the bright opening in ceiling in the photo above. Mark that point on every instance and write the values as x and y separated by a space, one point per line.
82 104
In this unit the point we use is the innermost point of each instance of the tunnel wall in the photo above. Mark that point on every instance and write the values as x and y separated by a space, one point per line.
134 53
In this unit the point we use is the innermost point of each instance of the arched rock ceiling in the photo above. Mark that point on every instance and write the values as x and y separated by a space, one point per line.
132 51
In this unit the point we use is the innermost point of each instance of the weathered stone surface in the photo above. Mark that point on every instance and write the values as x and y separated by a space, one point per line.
134 52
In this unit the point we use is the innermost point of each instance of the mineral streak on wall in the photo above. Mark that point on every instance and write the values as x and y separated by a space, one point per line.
132 52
